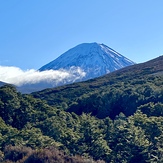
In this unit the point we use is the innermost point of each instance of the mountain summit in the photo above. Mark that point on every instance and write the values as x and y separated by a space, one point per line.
83 62
93 58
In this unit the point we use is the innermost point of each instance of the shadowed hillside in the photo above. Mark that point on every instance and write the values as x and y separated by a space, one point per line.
121 91
2 83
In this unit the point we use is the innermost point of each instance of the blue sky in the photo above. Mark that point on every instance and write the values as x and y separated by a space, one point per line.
35 32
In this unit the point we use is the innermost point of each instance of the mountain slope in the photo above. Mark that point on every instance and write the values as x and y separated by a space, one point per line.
83 62
95 59
2 83
124 91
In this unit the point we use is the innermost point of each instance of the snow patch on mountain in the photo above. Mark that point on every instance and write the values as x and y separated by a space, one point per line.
93 58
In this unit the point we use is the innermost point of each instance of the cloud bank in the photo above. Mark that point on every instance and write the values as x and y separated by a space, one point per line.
18 77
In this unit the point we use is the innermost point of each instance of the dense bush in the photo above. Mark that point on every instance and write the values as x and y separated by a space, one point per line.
116 118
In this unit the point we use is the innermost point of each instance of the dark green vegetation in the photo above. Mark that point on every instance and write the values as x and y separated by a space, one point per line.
115 118
121 91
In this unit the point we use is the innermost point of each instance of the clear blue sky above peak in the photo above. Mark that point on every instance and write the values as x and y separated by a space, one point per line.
35 32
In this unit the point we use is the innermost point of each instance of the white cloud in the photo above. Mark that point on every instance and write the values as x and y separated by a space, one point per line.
18 77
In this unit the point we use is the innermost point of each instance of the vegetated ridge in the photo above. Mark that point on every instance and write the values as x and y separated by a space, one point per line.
110 94
2 83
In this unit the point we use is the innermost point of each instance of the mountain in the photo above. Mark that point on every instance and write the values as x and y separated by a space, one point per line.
30 87
83 62
124 90
93 58
2 83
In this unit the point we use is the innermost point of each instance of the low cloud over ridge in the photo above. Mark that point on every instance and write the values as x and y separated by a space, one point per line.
18 77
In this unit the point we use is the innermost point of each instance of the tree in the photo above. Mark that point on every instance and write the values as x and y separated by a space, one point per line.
129 143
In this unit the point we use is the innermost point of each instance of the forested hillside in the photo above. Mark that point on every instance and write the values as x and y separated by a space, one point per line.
115 118
122 91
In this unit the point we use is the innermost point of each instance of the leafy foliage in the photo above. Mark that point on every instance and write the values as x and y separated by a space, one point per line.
115 118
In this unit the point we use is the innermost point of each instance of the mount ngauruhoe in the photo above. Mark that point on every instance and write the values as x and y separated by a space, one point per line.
93 58
83 62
